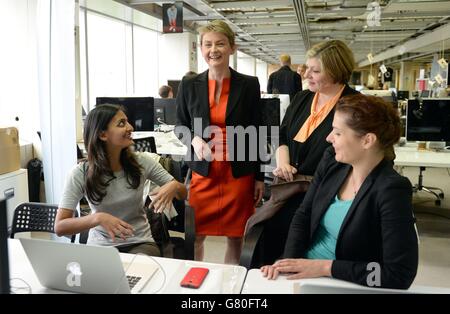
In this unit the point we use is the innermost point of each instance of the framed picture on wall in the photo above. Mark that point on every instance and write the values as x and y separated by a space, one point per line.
173 17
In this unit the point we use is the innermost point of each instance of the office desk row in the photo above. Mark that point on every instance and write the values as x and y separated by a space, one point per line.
168 144
223 279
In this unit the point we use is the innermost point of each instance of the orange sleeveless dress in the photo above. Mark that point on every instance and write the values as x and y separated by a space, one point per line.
222 203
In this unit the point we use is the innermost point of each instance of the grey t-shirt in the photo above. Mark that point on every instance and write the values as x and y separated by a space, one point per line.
120 201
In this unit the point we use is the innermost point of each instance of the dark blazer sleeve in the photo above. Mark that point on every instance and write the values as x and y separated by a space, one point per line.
399 240
298 240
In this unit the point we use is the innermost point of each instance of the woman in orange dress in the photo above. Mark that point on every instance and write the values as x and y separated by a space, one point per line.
225 187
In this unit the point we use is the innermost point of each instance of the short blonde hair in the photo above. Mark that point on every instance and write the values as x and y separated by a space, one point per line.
336 58
217 26
285 58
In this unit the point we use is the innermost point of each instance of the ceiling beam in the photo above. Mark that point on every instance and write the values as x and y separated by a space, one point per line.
251 4
437 35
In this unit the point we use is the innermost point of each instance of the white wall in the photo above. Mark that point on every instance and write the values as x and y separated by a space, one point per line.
18 74
245 64
261 73
177 55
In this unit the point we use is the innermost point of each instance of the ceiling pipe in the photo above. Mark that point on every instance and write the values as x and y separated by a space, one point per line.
300 12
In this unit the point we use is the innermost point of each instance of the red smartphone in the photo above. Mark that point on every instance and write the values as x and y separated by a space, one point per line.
194 277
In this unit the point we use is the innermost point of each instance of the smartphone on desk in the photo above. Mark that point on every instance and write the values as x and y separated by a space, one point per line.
194 277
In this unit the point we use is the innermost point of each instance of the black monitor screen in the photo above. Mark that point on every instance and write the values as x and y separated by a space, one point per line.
428 120
139 110
174 84
270 113
4 265
402 94
165 111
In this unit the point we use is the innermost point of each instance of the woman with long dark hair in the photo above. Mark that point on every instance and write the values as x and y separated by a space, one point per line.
112 180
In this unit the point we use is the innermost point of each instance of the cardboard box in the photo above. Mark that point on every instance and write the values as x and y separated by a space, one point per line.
9 150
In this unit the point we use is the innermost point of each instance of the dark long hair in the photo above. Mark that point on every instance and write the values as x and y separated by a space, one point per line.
98 171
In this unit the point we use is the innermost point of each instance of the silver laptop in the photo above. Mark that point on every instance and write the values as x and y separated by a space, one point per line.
86 269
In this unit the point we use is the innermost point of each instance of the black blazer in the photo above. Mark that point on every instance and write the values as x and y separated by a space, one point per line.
284 81
379 226
306 156
242 110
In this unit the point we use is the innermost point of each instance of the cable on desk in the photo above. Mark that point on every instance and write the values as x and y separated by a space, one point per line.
20 289
124 277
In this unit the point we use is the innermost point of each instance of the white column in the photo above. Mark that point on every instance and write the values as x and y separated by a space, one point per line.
56 70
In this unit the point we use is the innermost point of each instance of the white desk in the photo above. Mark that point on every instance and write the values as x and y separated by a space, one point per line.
166 142
231 277
409 156
255 283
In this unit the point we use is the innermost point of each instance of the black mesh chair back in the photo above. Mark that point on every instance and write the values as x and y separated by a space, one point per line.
29 217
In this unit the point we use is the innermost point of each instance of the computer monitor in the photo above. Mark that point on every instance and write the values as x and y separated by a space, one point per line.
4 260
425 94
428 120
139 110
402 94
174 84
284 103
165 111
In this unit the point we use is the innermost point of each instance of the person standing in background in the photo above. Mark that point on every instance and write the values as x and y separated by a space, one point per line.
284 81
165 91
301 70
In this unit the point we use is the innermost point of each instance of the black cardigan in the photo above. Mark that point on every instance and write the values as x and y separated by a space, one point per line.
242 110
306 156
379 226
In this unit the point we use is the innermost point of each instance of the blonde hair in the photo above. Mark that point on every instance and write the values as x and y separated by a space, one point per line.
217 26
336 58
284 58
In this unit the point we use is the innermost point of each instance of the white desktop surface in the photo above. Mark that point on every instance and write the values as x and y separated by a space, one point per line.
410 156
166 142
255 283
231 277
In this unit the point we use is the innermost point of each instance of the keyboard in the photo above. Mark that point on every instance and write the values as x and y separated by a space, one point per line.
133 280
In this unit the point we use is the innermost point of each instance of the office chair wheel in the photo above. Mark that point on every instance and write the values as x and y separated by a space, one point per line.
437 202
441 195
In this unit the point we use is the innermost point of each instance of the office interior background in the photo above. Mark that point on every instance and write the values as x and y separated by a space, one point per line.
58 56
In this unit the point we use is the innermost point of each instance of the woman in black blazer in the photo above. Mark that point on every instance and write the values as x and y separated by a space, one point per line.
329 67
356 221
226 179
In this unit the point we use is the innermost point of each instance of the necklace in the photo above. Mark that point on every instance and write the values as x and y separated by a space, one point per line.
355 190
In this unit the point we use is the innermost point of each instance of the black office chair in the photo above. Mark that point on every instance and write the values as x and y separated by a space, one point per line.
30 217
429 189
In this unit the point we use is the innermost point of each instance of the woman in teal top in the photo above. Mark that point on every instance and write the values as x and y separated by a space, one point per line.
357 212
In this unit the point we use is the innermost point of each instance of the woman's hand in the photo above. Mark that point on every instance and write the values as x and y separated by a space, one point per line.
163 197
270 272
201 148
298 268
259 192
114 226
285 171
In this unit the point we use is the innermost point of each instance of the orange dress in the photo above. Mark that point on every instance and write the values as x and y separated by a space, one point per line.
222 203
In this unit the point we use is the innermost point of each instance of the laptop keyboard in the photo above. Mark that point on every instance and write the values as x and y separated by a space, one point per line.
133 280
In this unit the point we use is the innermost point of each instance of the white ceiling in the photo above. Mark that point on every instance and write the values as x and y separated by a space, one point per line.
267 28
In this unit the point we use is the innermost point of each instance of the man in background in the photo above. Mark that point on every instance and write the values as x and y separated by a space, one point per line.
284 81
165 91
